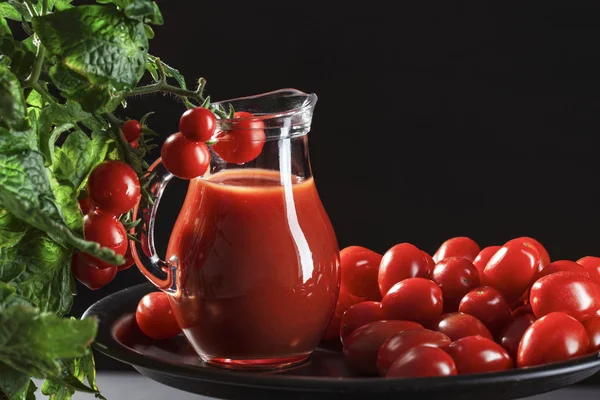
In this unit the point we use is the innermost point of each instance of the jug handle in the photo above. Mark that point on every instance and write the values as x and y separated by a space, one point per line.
161 273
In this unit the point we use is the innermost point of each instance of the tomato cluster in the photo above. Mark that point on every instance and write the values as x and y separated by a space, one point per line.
465 310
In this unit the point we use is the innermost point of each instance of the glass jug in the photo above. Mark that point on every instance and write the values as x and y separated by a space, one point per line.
252 267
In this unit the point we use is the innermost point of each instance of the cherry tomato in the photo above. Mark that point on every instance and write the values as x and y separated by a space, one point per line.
88 274
183 158
362 346
457 247
198 124
345 300
483 257
107 231
459 325
359 269
399 344
570 293
414 299
513 332
522 310
244 142
358 315
131 130
401 262
487 305
592 265
474 354
429 261
114 187
512 269
456 277
592 326
129 261
544 256
155 317
135 144
554 337
563 265
86 206
421 362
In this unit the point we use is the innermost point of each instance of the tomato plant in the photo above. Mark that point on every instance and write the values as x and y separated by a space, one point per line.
463 247
183 158
487 305
401 262
359 270
132 130
414 299
155 317
458 325
114 187
107 231
198 124
358 315
421 362
483 257
476 354
456 277
89 274
244 142
511 336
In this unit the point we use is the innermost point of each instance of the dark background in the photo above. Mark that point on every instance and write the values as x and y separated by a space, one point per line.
434 119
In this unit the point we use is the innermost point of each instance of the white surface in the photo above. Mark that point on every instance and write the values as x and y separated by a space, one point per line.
129 386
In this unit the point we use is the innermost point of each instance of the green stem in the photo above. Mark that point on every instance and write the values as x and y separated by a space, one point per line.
44 7
116 132
31 8
37 68
44 93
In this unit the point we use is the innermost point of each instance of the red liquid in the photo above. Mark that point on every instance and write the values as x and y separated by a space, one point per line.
258 268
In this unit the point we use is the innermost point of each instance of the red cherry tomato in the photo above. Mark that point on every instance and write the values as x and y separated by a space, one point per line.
88 274
244 142
183 158
459 325
131 130
114 187
129 261
198 124
345 300
475 354
401 262
592 326
570 293
513 332
359 269
155 317
421 362
397 345
429 261
135 144
107 231
512 269
522 310
554 337
358 315
484 256
362 346
86 206
457 247
487 305
414 299
563 265
456 277
592 265
544 256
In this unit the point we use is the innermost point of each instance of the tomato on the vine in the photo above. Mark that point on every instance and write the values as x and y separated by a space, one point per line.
107 231
132 130
114 187
155 317
484 256
89 274
400 262
198 124
475 354
456 277
358 315
487 305
422 362
457 247
359 269
459 325
414 299
183 158
244 142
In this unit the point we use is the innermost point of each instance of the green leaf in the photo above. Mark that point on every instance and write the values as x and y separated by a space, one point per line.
146 10
16 140
62 5
66 197
14 384
57 390
25 190
12 103
73 376
4 28
21 57
35 99
22 9
8 11
149 31
32 342
12 229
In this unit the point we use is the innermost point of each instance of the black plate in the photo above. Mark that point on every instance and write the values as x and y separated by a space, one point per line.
325 376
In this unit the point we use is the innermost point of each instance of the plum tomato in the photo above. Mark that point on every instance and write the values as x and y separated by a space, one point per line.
563 265
198 124
89 275
358 315
131 129
592 326
456 277
401 262
475 354
459 325
513 332
155 317
422 361
543 253
359 270
345 300
484 256
487 305
429 261
457 247
399 344
106 230
592 265
114 187
244 142
512 269
567 292
362 346
183 158
552 338
414 299
522 310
